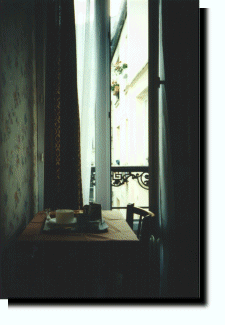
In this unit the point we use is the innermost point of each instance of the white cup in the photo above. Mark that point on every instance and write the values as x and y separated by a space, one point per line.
64 216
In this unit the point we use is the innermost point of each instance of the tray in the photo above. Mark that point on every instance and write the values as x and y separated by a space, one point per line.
75 227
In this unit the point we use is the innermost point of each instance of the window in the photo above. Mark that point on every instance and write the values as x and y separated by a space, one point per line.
129 109
119 170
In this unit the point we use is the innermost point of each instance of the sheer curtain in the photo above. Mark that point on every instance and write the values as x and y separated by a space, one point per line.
86 63
166 195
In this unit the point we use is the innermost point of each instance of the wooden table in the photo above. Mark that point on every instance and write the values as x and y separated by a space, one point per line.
80 264
118 231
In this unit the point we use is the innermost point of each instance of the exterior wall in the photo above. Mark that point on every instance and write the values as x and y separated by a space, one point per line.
18 118
137 20
129 123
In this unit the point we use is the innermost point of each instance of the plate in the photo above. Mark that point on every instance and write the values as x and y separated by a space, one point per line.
53 223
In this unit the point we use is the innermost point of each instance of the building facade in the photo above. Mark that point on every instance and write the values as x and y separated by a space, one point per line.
129 103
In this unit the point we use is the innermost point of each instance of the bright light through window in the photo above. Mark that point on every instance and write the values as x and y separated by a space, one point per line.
114 7
129 103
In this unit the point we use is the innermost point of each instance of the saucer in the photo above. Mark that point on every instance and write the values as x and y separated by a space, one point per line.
53 223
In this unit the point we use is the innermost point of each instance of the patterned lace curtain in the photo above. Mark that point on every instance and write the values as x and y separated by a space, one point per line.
63 186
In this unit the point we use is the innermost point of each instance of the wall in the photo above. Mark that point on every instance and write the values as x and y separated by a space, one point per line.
18 117
137 21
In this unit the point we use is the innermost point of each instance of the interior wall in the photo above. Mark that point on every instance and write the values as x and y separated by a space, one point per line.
18 117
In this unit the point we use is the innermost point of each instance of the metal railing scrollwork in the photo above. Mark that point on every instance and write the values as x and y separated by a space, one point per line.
120 175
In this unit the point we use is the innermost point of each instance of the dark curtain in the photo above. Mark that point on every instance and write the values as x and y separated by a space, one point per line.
62 126
180 21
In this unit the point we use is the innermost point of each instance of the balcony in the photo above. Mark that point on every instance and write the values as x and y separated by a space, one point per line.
120 175
123 176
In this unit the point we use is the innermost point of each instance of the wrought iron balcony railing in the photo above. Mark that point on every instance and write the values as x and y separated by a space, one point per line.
120 175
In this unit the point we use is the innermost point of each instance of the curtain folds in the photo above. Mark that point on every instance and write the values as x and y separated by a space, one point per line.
63 185
178 118
166 189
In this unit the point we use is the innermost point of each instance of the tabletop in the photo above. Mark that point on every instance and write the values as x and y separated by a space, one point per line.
118 230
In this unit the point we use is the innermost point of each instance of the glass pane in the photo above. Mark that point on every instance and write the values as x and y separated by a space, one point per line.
129 102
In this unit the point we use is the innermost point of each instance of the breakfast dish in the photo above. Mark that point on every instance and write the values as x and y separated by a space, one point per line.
74 226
